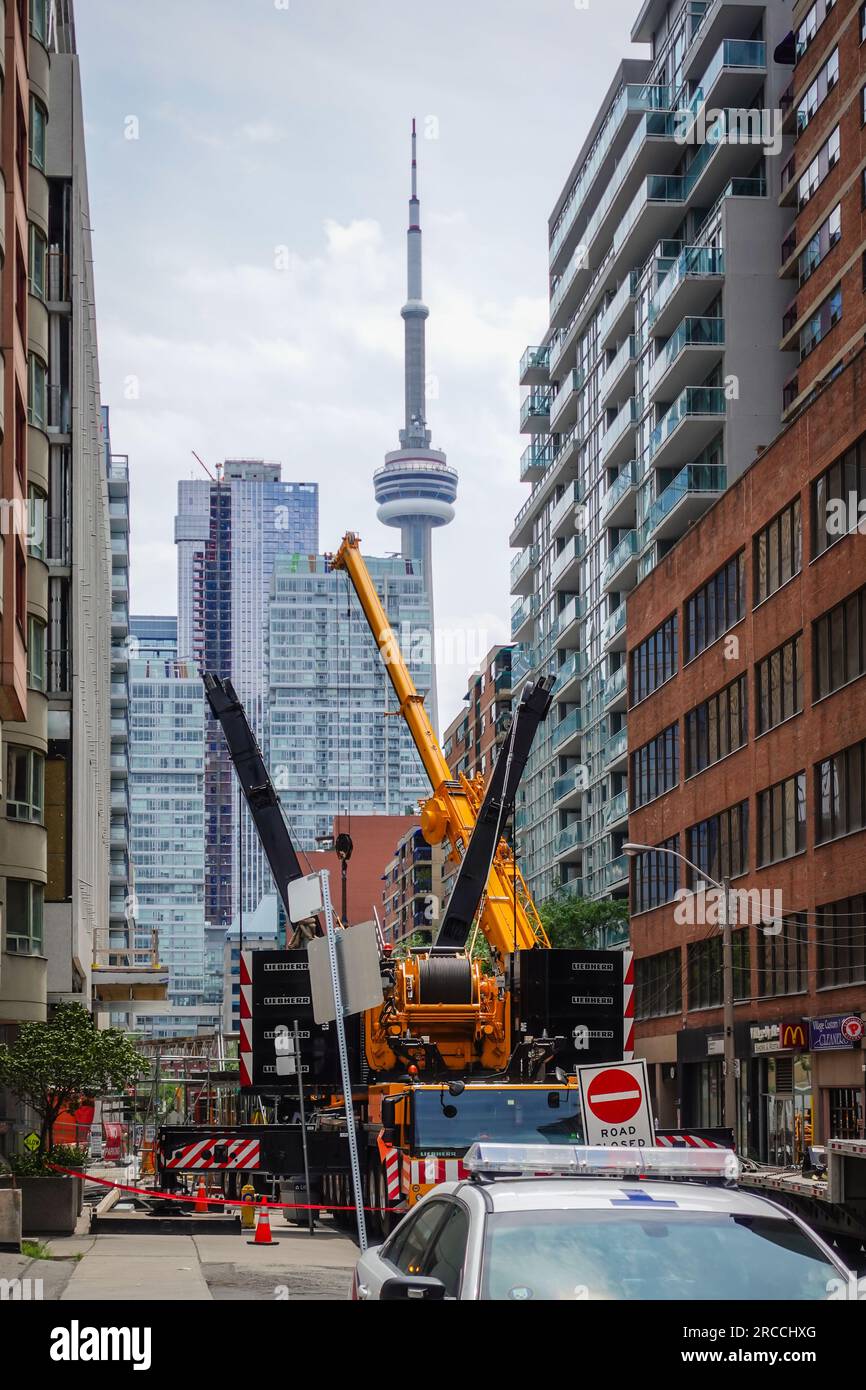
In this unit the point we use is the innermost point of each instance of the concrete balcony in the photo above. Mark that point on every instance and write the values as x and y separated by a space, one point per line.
693 349
565 571
568 790
615 811
563 411
689 287
615 755
618 503
711 23
535 413
563 518
522 568
568 677
621 565
618 442
533 366
118 515
695 417
683 501
524 521
568 845
735 73
616 690
535 460
615 874
566 630
613 636
618 380
619 313
568 733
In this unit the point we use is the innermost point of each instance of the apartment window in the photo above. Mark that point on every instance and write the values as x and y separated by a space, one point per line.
24 911
839 644
39 20
655 876
779 684
705 970
863 23
826 159
716 607
782 820
819 324
658 984
38 392
37 514
778 551
36 634
782 959
655 767
25 787
38 125
845 1112
839 498
811 24
719 846
37 262
821 243
840 793
717 727
841 936
655 660
825 80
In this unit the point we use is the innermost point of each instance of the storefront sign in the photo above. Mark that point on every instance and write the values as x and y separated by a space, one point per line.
838 1031
794 1035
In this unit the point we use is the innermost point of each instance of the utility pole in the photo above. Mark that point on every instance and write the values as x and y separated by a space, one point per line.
731 1114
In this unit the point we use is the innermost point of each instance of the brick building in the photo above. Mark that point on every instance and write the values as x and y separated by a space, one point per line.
472 739
413 887
747 737
824 183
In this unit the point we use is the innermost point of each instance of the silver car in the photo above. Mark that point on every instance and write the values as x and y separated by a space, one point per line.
565 1233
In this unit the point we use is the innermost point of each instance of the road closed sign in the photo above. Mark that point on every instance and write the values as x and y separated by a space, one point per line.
616 1105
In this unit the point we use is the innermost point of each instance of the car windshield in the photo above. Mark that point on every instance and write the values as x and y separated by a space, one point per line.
596 1254
446 1123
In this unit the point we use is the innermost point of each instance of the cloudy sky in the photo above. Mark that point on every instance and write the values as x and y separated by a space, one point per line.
250 249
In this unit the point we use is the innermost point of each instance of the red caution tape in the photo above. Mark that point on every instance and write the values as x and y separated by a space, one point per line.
212 1201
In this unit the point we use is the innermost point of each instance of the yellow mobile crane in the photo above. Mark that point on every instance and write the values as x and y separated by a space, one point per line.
439 994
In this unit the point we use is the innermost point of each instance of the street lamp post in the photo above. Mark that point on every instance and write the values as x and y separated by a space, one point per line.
731 1114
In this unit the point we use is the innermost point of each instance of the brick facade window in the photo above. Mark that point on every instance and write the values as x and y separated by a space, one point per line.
782 959
841 937
778 551
705 970
655 876
655 660
782 820
839 498
839 644
779 684
716 606
655 768
717 727
840 793
719 845
658 984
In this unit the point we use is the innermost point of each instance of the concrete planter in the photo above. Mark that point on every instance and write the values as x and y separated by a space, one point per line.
49 1206
10 1220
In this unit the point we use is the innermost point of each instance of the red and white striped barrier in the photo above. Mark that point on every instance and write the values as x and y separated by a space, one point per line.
240 1153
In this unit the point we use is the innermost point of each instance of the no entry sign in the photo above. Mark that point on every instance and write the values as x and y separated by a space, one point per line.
616 1107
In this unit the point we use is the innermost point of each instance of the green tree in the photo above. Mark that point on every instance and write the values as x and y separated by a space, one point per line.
582 925
54 1064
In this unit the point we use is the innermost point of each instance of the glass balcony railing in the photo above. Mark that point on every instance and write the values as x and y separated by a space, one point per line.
571 613
629 351
615 808
537 404
574 667
573 382
693 401
692 332
574 549
620 555
569 838
523 562
572 724
616 746
632 98
521 666
567 784
535 359
616 684
615 872
614 624
734 53
692 260
623 483
626 419
694 478
535 458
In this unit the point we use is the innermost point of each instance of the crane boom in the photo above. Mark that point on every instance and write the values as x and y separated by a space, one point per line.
508 917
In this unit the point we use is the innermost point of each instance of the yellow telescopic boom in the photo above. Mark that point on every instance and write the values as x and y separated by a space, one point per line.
509 918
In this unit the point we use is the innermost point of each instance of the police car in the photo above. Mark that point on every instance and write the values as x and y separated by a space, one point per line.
566 1222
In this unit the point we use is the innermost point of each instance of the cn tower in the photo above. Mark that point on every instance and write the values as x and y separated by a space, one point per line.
416 489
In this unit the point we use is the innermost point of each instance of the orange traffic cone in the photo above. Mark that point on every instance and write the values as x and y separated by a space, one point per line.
201 1198
263 1228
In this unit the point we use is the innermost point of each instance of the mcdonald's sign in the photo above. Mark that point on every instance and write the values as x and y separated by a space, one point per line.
794 1035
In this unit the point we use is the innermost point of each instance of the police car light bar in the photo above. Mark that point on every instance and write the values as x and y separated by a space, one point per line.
577 1160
